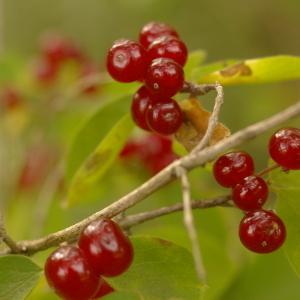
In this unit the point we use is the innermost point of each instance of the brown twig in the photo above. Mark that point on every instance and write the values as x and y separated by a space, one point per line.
190 225
140 218
11 244
268 170
197 89
188 162
213 120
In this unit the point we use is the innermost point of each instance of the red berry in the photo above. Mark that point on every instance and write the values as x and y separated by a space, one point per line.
154 30
231 168
104 289
160 162
10 99
168 47
164 118
70 275
251 193
46 72
54 48
164 77
130 150
141 101
284 148
38 161
106 247
126 61
262 231
154 146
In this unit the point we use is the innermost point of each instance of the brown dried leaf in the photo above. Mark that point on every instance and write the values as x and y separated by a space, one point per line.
195 124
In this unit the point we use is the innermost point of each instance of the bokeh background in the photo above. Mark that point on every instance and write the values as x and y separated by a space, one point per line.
224 29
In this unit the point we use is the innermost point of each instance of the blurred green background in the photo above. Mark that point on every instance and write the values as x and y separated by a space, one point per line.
238 29
224 29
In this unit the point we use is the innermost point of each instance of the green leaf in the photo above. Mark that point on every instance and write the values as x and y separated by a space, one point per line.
267 277
18 276
122 295
161 270
206 69
286 186
195 59
253 71
93 131
96 165
10 68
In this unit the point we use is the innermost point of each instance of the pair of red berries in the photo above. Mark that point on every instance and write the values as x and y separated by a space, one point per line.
157 60
75 272
260 231
153 151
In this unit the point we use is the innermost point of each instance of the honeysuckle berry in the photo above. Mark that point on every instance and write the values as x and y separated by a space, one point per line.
250 193
126 61
164 117
284 148
164 77
106 247
154 30
141 101
70 275
231 168
45 71
168 47
262 231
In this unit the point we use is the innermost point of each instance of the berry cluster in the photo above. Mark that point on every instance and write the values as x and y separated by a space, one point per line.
153 151
55 52
261 231
157 61
75 272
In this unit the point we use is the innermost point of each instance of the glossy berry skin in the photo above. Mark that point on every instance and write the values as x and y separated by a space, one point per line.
262 231
251 193
284 148
126 61
233 167
106 247
104 289
141 101
168 47
70 275
154 30
164 117
164 77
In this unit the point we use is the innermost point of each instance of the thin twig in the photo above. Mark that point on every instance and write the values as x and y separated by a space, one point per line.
268 170
190 225
168 174
136 219
13 246
197 89
213 120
